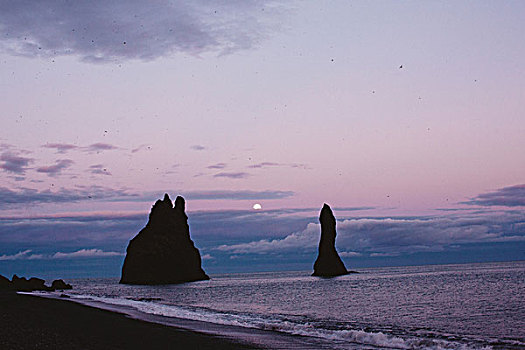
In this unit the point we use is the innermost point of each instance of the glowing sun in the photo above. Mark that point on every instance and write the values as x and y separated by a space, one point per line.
257 206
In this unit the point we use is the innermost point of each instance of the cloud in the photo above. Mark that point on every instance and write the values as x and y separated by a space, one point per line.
349 254
14 163
382 255
22 255
85 253
207 257
307 238
292 234
88 229
95 147
273 164
512 196
101 31
263 165
22 196
302 166
5 146
98 169
217 166
60 147
56 169
209 195
99 147
198 148
232 175
82 253
141 147
398 235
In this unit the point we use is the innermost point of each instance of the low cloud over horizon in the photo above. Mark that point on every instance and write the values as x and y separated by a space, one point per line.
82 253
392 236
262 238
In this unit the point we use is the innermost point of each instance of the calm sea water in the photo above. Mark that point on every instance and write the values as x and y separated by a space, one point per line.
472 306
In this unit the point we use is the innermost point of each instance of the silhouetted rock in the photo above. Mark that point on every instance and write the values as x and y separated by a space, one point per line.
328 263
163 252
5 283
60 285
22 284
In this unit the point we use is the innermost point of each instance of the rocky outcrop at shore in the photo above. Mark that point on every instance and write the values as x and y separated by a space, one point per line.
328 263
21 284
60 285
163 252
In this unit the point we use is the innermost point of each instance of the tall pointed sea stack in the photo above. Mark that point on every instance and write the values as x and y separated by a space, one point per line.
328 263
163 252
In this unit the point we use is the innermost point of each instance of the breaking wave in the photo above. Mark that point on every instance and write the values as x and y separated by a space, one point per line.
288 324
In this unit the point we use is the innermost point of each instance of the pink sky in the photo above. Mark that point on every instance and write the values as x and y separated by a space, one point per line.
310 99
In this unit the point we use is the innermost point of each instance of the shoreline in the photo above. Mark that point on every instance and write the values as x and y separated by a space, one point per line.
34 322
253 338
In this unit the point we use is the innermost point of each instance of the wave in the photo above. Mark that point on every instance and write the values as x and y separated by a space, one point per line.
286 324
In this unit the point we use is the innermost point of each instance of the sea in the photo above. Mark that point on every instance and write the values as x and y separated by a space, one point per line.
467 306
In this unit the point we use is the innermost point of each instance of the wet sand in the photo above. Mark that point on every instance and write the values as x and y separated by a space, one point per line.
30 322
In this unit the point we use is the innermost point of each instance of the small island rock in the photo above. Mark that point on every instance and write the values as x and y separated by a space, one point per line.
328 263
60 285
163 252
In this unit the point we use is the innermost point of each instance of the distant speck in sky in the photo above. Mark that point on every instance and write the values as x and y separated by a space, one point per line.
401 66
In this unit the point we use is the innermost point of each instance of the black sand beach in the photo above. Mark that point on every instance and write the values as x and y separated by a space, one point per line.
30 322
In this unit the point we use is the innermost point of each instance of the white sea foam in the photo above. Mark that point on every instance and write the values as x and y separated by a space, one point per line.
353 336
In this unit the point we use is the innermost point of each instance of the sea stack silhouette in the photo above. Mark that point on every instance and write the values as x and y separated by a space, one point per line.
328 263
163 252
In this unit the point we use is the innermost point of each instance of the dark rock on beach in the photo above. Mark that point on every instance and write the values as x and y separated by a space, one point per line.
5 284
163 252
328 263
60 285
22 284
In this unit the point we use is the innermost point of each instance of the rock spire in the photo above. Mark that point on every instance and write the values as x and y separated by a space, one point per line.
328 263
163 252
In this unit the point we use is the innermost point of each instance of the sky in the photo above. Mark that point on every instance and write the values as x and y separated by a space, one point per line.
406 117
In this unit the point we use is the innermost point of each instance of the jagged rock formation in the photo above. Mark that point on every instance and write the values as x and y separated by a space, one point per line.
60 285
21 284
328 263
163 252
